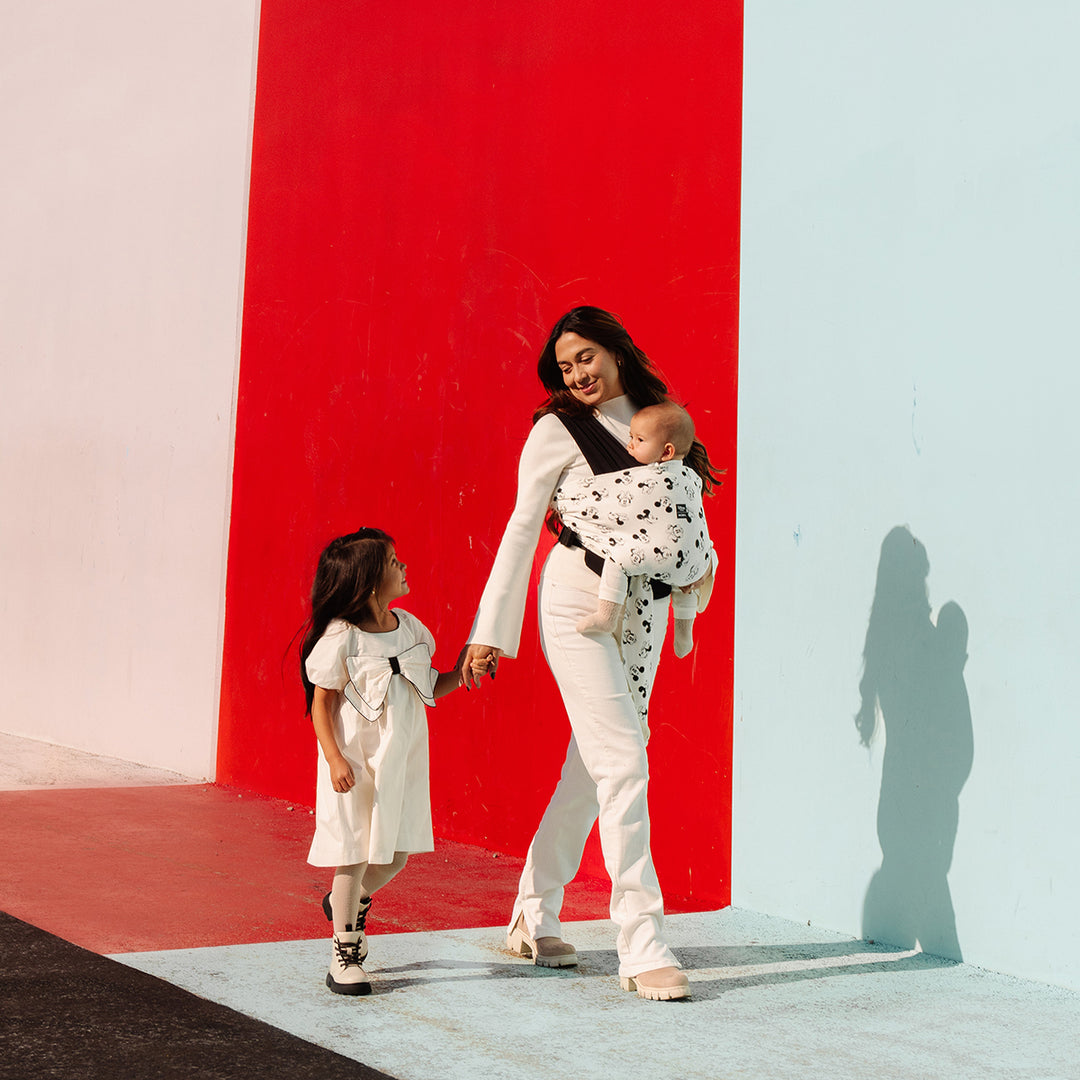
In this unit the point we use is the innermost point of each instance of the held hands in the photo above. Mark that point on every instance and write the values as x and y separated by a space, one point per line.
476 661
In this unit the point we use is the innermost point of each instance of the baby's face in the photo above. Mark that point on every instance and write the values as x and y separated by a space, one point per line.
646 443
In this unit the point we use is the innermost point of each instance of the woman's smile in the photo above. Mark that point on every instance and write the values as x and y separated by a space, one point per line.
589 371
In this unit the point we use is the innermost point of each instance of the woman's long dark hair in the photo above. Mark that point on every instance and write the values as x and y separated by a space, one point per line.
349 571
642 384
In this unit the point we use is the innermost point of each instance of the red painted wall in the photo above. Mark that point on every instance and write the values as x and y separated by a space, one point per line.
432 186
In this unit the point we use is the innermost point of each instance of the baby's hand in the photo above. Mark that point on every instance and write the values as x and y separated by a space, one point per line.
695 586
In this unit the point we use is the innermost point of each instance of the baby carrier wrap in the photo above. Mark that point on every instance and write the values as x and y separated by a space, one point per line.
647 519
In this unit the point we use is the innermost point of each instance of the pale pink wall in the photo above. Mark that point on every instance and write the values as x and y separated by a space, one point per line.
125 130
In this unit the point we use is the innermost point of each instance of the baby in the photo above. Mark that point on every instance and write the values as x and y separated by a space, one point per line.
647 521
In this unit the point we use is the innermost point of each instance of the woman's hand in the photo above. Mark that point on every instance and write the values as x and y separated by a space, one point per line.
476 661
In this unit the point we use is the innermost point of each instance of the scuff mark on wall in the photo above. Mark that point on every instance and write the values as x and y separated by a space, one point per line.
914 408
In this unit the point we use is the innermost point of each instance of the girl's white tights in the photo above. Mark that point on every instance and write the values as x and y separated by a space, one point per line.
353 885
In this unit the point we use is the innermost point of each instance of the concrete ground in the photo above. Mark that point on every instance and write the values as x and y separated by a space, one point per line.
771 999
29 765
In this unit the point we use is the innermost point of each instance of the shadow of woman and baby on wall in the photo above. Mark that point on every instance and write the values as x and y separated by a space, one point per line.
913 696
913 692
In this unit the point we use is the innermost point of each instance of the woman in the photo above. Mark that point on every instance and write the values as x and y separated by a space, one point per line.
589 367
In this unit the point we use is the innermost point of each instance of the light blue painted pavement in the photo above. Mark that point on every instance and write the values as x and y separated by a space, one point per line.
772 999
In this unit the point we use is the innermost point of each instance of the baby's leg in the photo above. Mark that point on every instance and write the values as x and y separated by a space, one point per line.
613 586
684 608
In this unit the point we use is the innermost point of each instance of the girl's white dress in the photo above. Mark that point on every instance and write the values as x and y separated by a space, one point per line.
381 727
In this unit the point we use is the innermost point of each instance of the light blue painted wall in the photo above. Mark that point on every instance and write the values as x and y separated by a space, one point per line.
910 357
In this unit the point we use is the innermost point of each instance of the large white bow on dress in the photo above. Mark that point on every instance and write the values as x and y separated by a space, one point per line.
369 678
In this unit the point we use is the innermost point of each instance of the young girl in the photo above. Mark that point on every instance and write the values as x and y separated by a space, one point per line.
367 676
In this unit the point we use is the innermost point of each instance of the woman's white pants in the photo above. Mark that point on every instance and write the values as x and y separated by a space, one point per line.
605 775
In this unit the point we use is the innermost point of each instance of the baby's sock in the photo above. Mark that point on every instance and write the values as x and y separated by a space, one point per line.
684 636
684 608
603 621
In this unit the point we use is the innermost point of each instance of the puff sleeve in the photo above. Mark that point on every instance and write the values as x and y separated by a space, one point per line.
325 664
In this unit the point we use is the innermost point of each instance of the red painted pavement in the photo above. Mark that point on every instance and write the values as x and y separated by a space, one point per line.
137 869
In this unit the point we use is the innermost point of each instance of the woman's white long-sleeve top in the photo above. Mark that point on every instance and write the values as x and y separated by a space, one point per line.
548 457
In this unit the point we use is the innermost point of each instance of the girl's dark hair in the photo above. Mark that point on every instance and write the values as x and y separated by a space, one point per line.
640 380
349 571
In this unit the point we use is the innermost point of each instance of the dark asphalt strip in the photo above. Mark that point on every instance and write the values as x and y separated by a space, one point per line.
70 1014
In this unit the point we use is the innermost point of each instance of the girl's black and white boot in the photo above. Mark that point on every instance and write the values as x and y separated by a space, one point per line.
346 976
358 924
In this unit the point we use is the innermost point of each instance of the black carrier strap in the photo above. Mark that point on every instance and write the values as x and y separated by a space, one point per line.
604 454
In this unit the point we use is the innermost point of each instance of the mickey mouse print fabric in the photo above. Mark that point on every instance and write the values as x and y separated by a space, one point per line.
649 520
